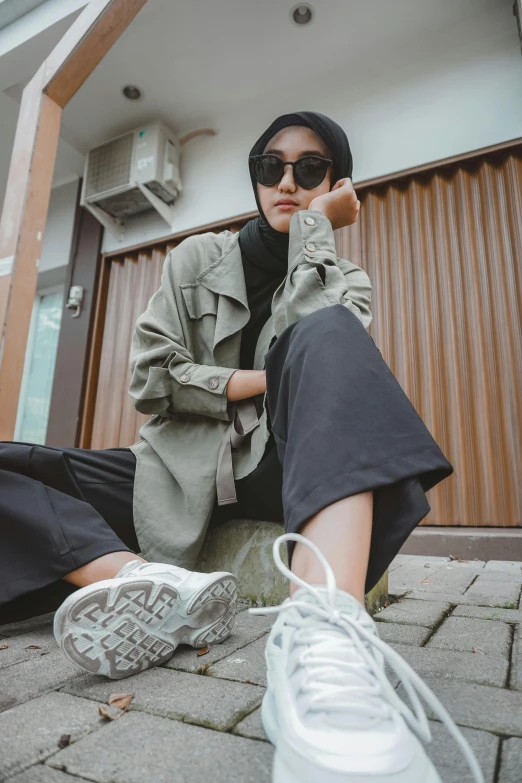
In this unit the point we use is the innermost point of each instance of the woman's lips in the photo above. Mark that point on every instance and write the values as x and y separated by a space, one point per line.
286 207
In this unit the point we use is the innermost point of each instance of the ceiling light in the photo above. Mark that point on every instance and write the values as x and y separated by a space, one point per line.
132 92
302 13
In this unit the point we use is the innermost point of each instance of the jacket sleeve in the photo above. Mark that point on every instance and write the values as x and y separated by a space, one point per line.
315 279
164 377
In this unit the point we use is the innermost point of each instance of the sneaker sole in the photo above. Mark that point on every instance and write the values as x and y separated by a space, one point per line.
115 628
281 773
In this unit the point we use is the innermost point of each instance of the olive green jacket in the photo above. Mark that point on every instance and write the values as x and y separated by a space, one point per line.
186 346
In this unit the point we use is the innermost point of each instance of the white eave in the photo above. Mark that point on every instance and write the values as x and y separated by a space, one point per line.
21 20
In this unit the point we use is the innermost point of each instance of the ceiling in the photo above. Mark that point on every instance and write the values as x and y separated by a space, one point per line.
198 62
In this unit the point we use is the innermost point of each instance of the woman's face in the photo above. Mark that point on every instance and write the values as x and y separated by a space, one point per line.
291 143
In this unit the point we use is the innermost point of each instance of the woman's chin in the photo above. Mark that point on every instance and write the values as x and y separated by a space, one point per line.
281 223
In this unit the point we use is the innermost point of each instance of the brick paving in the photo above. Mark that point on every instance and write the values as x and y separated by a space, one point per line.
459 624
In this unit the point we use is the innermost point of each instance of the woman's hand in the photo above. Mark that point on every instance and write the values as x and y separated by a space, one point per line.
341 205
246 383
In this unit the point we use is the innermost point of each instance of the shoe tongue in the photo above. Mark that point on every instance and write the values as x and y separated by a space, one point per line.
339 648
128 567
173 573
344 602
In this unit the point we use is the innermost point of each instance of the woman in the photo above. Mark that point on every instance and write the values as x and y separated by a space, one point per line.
334 448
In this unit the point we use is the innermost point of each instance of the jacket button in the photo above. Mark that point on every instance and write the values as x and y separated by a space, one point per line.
310 221
213 383
185 378
310 247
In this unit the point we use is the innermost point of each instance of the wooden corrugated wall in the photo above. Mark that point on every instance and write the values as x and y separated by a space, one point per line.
132 282
444 252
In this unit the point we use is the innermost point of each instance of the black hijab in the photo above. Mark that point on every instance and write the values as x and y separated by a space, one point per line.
265 250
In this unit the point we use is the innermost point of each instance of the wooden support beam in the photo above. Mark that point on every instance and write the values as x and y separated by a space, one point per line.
24 216
21 233
84 45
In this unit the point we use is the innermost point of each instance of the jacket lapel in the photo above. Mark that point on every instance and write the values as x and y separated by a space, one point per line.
226 278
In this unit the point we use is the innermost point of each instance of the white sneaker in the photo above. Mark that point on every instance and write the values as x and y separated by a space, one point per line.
121 626
329 708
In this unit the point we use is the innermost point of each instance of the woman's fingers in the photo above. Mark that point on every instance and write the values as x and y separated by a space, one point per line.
340 204
346 182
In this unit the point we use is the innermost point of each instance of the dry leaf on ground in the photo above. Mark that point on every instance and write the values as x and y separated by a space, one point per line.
204 650
477 650
105 713
64 740
205 667
4 646
120 700
33 647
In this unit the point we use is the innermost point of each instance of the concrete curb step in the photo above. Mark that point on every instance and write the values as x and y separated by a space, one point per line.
244 547
469 543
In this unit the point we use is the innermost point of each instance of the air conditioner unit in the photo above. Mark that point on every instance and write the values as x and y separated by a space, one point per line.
131 174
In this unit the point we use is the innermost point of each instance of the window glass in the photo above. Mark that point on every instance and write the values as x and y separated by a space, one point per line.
35 396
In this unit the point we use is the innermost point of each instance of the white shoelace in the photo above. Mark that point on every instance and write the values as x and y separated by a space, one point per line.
328 674
334 677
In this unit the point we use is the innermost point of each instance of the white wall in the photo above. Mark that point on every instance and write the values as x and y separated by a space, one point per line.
56 245
451 94
8 119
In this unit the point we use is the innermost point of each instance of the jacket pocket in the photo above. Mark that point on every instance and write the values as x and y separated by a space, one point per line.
199 301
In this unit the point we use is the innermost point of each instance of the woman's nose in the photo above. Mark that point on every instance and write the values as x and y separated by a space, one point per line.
287 180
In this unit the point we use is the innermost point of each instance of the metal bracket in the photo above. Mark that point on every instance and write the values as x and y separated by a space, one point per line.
111 224
166 212
117 228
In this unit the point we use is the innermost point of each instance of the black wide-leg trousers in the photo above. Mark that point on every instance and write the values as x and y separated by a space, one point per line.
340 425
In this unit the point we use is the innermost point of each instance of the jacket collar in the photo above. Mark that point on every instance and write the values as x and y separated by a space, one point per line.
226 278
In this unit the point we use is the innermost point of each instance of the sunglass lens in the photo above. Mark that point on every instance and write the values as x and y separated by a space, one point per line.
268 170
310 172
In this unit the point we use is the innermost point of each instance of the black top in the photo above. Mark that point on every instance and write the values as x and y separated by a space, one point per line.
265 250
264 273
259 302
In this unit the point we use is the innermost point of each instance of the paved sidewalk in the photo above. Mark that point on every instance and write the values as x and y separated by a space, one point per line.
197 718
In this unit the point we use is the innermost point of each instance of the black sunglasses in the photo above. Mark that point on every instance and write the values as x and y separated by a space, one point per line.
309 171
